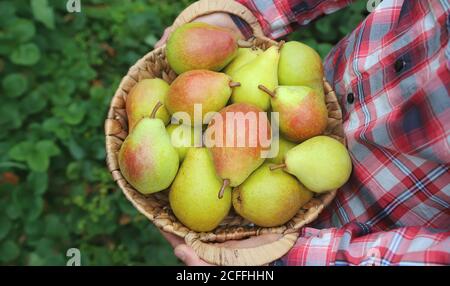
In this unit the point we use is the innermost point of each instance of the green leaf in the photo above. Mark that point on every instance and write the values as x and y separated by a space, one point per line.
47 147
36 208
7 9
26 55
73 114
43 13
38 162
34 229
54 228
57 127
11 117
73 170
15 84
151 40
5 226
13 211
33 102
38 182
22 30
21 151
9 250
75 149
35 260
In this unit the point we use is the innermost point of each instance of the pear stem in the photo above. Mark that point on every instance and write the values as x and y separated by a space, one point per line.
276 167
155 109
225 184
281 44
266 90
234 84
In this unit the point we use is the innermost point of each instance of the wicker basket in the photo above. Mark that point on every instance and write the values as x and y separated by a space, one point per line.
156 206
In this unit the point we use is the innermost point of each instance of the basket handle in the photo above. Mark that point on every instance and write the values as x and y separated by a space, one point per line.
205 7
220 254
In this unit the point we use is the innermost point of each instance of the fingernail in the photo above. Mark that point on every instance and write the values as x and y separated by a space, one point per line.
180 254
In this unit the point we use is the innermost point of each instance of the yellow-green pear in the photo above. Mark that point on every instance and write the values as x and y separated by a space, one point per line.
270 198
244 56
207 89
300 65
302 111
199 45
194 195
182 138
143 97
321 164
263 70
283 146
147 159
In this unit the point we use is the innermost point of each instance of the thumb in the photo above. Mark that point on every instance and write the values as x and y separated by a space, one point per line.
188 256
164 38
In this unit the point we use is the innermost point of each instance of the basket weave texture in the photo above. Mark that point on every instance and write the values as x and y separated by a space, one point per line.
156 206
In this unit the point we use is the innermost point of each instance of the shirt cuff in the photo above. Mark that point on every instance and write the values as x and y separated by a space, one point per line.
243 26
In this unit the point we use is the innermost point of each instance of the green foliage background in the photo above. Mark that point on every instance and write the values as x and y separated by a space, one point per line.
58 72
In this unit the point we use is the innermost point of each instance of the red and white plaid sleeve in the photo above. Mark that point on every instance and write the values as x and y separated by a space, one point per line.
392 77
280 17
355 244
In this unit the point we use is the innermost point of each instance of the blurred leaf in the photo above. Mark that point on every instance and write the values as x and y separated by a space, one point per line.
21 151
15 84
21 30
54 228
73 114
5 226
48 148
73 171
13 211
33 103
35 208
43 13
26 55
35 260
151 40
9 250
38 182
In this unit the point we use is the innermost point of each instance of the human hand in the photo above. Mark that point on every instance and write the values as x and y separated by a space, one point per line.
188 256
218 19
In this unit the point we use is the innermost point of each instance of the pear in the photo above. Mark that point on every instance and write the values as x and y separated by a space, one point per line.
241 134
260 71
321 164
147 159
300 65
302 111
194 196
143 97
200 46
270 198
182 138
209 89
244 56
283 146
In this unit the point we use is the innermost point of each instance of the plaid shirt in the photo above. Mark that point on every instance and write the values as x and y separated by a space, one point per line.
392 75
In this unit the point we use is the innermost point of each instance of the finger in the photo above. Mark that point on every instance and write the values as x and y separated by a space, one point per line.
164 37
188 256
173 239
